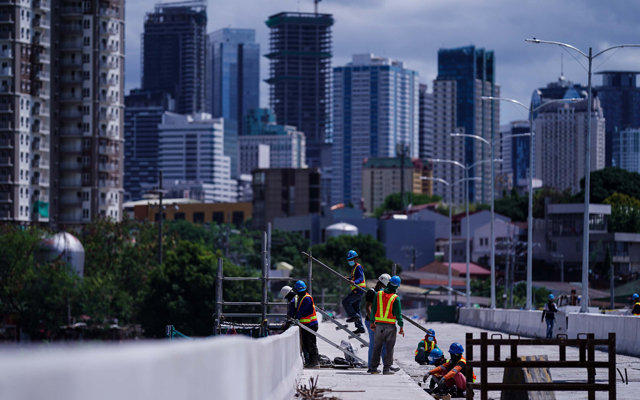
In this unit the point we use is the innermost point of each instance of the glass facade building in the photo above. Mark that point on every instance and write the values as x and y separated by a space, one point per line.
627 149
620 101
235 74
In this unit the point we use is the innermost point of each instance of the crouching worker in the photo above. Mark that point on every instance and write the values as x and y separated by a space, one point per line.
306 313
436 358
425 347
452 371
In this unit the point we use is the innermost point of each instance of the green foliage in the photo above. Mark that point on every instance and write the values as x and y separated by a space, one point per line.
38 294
182 291
482 288
513 206
393 202
610 180
625 213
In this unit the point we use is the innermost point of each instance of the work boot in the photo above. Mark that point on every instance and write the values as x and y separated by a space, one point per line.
394 369
387 372
374 371
358 331
312 365
352 319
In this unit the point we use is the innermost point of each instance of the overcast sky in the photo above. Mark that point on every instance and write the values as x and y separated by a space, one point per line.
413 30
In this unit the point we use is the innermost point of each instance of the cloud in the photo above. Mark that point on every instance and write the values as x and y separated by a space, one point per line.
414 30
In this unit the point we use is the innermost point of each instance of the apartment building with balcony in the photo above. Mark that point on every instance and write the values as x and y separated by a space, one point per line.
88 105
25 31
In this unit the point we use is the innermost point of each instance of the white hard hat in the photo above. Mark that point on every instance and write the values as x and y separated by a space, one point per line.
384 278
285 291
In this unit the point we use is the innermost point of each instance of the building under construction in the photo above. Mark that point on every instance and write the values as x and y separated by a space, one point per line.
300 54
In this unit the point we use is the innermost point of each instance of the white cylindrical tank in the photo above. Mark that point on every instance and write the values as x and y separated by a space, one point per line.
341 228
67 247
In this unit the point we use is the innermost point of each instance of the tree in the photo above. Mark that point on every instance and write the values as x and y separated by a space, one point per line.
37 294
393 202
625 213
610 180
182 291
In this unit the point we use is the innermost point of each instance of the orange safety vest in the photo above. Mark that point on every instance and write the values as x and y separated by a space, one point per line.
385 305
312 317
428 346
637 304
362 284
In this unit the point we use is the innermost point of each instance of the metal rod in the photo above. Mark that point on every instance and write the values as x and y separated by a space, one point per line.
467 244
218 306
584 302
259 278
528 304
253 315
269 266
310 274
251 303
329 341
393 269
343 327
450 241
493 216
265 274
578 386
359 288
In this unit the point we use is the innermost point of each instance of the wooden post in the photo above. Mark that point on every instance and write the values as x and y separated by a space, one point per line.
469 370
484 394
611 347
591 357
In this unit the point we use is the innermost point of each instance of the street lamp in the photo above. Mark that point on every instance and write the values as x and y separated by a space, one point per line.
451 185
531 111
587 167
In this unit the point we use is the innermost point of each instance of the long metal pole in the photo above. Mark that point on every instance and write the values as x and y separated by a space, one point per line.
450 240
611 271
528 305
584 302
269 246
310 275
218 318
264 276
493 236
160 218
467 244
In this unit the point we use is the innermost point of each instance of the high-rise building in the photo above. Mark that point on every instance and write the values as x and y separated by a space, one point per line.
300 54
465 74
375 108
620 100
235 74
628 144
88 111
426 123
519 153
560 143
192 153
381 178
25 160
174 46
143 114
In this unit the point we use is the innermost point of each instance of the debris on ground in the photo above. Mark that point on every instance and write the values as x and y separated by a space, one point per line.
313 392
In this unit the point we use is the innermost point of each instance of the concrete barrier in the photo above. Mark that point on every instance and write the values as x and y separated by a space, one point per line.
626 328
525 323
229 367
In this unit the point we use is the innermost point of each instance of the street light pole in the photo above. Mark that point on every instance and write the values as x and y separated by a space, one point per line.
160 218
584 303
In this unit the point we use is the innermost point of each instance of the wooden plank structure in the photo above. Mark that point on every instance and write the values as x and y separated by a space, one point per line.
586 344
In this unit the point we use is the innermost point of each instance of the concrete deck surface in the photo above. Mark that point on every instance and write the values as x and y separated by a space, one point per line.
404 385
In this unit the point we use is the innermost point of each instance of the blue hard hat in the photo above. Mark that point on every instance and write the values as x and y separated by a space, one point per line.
434 355
551 297
431 332
395 281
300 286
351 255
456 348
635 296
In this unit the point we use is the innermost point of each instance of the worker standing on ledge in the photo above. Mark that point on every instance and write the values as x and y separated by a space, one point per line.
306 315
385 312
636 307
351 303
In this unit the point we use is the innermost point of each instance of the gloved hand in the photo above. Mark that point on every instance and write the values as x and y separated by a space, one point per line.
426 376
442 383
401 332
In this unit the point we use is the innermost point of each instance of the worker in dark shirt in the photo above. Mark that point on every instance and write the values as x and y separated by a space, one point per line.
383 281
351 303
549 313
636 306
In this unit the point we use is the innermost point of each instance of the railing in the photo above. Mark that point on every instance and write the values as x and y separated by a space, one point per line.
107 167
5 197
71 114
40 145
5 161
586 360
6 35
70 182
107 150
108 65
6 107
6 17
108 12
43 198
6 71
110 184
111 48
109 31
107 202
40 111
70 131
5 214
108 133
110 98
71 201
70 10
74 166
71 28
71 44
6 53
6 143
70 97
43 57
40 163
39 128
108 116
41 181
42 92
42 4
43 40
6 89
43 75
71 148
108 81
5 179
5 125
41 23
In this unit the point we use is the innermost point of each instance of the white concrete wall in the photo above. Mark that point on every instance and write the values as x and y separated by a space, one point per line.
230 367
527 323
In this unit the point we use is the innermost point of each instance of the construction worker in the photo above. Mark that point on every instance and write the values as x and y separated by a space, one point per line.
636 307
426 346
383 281
351 303
549 313
452 371
385 311
306 314
436 358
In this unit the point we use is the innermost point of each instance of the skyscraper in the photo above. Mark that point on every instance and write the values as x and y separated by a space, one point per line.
620 100
375 107
300 54
174 53
235 74
143 113
426 123
560 143
88 111
628 143
465 74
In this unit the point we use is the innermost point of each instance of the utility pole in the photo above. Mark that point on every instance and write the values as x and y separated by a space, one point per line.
160 218
401 146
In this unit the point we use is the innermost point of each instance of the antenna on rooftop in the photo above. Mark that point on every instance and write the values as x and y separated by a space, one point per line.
315 5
